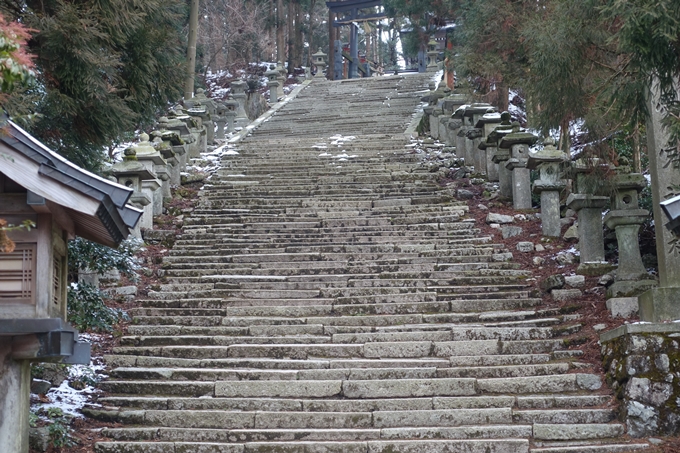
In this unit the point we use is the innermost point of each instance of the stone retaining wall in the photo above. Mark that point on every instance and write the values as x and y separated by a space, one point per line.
642 365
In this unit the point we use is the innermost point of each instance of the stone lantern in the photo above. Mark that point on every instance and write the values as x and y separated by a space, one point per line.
549 162
432 54
209 111
320 63
500 156
472 115
201 125
180 147
164 141
625 218
518 142
273 84
487 123
588 203
149 156
461 130
132 174
220 121
238 92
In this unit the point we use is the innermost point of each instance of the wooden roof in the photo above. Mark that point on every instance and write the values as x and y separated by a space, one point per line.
87 205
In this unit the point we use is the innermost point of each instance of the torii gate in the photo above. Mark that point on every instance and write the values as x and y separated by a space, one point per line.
351 16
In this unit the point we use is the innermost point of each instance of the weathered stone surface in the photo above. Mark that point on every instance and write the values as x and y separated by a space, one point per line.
575 281
555 281
562 295
622 307
499 218
511 231
525 246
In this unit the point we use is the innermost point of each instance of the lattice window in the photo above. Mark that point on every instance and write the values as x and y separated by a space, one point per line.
17 274
57 280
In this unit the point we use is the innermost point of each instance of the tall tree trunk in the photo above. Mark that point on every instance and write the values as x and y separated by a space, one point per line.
637 160
280 32
298 35
191 51
310 33
290 22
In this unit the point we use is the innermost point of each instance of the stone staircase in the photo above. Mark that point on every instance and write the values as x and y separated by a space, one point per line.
327 296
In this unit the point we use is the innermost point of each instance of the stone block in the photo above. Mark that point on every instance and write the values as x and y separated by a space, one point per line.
499 218
511 231
562 295
660 304
525 247
622 307
575 281
555 281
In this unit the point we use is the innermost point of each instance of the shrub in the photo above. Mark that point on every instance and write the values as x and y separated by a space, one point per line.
86 309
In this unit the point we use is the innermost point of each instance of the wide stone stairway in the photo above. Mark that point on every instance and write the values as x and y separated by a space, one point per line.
328 296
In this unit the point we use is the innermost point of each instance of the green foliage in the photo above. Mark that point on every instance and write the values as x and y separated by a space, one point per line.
58 429
649 34
84 255
87 311
103 68
16 65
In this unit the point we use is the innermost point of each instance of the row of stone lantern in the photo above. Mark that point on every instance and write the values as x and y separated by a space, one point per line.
499 149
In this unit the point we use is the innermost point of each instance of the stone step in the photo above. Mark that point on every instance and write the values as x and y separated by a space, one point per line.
606 448
386 446
195 374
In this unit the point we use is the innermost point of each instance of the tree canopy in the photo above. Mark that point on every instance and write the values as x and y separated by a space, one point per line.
103 68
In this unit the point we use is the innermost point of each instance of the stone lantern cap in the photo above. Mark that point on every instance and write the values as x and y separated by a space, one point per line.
620 217
130 166
198 110
546 155
490 117
517 138
146 151
626 181
459 113
319 56
432 45
578 201
476 109
452 102
272 74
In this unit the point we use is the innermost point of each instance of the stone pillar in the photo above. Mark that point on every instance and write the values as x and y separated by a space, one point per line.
434 123
320 63
473 136
518 143
591 240
148 156
15 382
549 161
662 303
453 127
625 217
238 92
